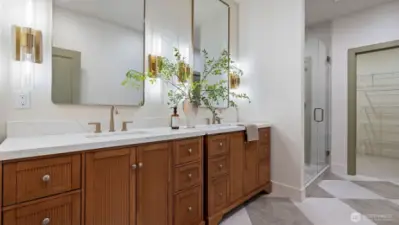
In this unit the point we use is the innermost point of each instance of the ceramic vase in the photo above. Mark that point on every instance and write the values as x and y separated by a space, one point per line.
190 111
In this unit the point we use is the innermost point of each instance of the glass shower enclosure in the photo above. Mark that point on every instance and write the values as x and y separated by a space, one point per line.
316 107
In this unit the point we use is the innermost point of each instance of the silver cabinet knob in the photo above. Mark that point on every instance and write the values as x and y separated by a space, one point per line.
221 166
190 175
46 221
221 144
140 165
134 166
190 151
190 209
46 178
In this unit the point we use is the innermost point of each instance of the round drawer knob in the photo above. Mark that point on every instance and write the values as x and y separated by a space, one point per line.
46 221
134 166
140 165
221 166
190 175
221 194
190 209
221 144
46 178
190 151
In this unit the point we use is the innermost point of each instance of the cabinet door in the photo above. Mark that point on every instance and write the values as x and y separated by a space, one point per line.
110 187
154 189
236 166
251 166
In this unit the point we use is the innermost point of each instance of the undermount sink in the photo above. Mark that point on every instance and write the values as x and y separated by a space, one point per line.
116 134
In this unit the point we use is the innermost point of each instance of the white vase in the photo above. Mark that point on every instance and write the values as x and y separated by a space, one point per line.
190 111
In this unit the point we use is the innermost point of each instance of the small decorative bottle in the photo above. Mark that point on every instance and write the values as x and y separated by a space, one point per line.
174 119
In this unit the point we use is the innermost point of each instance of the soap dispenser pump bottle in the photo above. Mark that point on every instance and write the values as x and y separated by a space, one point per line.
174 119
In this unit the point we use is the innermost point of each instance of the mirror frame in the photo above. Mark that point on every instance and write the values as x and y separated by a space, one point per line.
228 41
142 103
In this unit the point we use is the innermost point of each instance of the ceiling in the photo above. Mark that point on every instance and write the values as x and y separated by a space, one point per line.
127 13
318 11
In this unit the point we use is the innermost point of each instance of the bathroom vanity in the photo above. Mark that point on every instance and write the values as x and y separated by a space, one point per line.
187 177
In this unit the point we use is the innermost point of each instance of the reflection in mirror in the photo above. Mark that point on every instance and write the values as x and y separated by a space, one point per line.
94 44
211 33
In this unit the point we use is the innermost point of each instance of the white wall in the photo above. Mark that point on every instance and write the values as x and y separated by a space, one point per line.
373 26
271 53
168 25
3 77
108 51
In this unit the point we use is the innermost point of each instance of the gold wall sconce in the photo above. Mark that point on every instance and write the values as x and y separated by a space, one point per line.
155 64
184 72
28 44
152 65
235 80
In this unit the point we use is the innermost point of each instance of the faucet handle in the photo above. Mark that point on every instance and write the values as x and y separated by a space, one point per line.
98 127
124 125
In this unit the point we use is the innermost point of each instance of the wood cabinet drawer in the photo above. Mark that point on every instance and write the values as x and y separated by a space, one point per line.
264 136
187 176
186 151
188 207
63 210
33 179
217 145
218 194
218 166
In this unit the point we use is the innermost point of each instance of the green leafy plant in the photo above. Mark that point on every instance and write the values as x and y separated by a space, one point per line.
211 94
200 92
167 72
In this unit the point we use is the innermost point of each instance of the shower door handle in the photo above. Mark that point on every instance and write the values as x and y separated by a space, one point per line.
315 115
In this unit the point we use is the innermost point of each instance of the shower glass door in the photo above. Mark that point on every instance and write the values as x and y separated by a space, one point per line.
316 105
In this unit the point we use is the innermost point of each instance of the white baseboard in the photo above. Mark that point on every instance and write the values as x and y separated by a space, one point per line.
286 191
339 169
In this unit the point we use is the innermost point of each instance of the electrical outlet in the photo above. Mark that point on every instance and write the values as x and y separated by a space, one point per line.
22 100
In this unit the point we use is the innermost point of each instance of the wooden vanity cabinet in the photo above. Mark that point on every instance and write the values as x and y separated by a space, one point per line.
235 171
147 184
179 182
43 191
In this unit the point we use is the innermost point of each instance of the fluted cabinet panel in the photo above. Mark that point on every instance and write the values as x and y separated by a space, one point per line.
108 185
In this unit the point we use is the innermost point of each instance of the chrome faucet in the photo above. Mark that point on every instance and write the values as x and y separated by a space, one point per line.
114 111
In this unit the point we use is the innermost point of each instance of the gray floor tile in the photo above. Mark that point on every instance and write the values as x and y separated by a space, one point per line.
331 176
382 188
381 212
315 191
275 211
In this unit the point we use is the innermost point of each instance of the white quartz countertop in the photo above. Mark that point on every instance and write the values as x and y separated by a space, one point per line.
16 148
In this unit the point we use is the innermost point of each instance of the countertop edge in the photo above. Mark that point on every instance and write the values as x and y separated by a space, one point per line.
22 153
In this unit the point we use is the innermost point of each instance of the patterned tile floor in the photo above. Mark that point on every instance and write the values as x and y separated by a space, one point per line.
333 200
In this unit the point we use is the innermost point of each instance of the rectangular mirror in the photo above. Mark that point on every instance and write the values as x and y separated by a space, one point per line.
211 32
94 44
